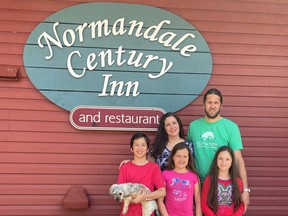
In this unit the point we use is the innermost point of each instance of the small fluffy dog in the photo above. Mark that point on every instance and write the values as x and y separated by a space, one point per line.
123 193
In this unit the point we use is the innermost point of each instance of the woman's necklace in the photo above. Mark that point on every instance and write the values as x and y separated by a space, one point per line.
172 143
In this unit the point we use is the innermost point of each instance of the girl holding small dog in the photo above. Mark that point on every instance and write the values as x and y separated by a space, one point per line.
221 193
182 184
142 171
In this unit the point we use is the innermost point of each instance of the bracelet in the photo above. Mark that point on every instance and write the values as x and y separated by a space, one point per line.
246 190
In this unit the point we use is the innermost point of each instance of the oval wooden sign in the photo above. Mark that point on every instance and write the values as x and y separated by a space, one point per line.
117 54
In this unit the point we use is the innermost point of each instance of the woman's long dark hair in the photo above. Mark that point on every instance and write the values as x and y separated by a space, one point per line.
161 137
212 198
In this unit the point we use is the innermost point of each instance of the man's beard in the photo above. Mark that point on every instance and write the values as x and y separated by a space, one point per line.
212 116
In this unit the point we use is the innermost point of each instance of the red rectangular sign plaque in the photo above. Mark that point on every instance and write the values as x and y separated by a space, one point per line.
115 118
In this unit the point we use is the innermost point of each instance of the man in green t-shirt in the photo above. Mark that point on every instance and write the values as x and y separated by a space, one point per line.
212 131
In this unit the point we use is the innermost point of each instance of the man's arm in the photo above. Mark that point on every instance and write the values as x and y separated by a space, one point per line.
243 175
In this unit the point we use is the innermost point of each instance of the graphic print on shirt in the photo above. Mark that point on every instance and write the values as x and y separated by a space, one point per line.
163 158
208 135
207 140
180 188
225 194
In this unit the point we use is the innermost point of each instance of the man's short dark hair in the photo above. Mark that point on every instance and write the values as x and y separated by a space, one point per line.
215 92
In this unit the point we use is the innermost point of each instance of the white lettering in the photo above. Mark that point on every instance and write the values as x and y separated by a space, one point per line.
102 28
80 29
119 87
90 59
105 85
170 36
163 70
90 118
119 53
133 24
175 46
49 39
70 68
99 24
107 56
156 29
72 37
126 119
121 30
136 62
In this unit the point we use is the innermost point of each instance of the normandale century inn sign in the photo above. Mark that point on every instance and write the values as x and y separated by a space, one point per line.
117 66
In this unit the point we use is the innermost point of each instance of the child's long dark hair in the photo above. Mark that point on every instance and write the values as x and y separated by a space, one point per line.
190 166
161 138
212 198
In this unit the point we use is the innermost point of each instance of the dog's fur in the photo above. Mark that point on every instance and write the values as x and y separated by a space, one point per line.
123 192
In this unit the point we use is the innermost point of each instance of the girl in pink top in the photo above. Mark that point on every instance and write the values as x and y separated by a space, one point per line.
182 184
221 193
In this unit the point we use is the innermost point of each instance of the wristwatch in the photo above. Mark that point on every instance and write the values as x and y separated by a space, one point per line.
246 190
